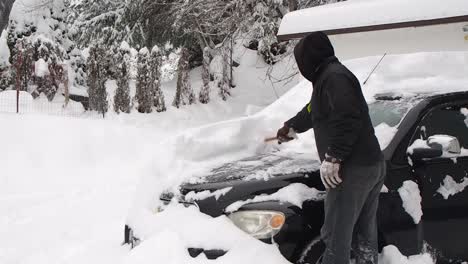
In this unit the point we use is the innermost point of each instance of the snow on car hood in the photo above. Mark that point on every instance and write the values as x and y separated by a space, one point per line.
260 167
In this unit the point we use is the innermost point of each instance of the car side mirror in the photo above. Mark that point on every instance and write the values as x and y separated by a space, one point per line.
426 153
435 146
445 143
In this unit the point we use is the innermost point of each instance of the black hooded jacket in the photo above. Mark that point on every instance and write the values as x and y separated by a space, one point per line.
337 111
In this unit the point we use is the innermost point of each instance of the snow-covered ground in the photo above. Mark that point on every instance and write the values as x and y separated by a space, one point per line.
67 185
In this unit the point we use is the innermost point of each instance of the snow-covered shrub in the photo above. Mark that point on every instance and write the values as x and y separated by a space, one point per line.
122 95
221 71
97 80
184 92
38 37
77 64
204 96
48 69
144 94
155 79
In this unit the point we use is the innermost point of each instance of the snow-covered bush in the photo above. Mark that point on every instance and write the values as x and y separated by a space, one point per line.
77 64
155 79
184 92
48 68
97 80
122 95
144 93
204 96
38 37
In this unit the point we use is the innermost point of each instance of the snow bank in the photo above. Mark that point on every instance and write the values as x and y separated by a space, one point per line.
66 186
450 187
411 198
296 194
169 233
391 255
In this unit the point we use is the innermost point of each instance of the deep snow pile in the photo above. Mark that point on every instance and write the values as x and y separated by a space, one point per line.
67 184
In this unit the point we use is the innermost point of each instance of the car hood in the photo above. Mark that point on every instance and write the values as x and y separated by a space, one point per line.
244 179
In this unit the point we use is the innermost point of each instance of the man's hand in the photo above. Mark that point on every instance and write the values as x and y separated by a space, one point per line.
330 172
285 134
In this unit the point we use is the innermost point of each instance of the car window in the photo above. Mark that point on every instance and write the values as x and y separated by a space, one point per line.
388 112
446 120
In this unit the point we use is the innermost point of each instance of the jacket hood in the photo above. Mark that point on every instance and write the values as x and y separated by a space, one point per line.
311 52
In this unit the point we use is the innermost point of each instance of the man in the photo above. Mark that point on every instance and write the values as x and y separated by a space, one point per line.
352 167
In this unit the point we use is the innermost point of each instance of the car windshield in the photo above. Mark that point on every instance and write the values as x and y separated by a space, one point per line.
390 112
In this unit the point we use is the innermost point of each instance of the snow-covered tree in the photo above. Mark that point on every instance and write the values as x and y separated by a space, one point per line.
144 93
184 92
204 96
155 79
48 68
77 64
225 83
122 95
38 37
96 80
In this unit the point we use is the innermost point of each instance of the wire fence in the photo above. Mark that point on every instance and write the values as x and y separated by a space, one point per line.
21 102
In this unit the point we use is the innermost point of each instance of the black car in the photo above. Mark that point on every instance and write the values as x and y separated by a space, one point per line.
440 122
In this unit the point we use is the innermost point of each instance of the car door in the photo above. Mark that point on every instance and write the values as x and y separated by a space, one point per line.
443 182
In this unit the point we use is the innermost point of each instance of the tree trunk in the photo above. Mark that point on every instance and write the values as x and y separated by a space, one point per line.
5 9
292 5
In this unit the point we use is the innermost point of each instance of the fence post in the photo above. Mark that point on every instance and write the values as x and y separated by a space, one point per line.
65 83
18 75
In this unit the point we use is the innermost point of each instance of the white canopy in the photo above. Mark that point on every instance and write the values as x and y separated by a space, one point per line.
361 28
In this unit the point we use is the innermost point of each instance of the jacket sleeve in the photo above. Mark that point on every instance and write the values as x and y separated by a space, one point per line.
302 121
345 116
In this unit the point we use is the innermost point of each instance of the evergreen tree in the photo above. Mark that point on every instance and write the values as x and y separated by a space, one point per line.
97 80
144 93
225 84
155 79
122 95
204 96
184 92
78 66
44 35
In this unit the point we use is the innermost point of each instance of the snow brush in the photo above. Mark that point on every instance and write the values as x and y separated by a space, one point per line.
291 134
270 139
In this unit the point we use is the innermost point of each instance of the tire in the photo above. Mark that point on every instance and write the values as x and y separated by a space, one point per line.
313 252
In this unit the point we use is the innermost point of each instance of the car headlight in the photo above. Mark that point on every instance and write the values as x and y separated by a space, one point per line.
259 224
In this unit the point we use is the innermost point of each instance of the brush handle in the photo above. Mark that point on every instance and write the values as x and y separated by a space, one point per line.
270 139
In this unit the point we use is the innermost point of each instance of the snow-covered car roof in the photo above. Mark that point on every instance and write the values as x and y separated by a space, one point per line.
360 28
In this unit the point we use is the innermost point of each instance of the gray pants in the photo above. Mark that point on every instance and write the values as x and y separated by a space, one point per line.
350 215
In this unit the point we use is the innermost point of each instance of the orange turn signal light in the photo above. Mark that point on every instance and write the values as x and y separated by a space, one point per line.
277 221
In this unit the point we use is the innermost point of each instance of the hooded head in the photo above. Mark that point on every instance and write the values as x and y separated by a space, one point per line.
311 52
